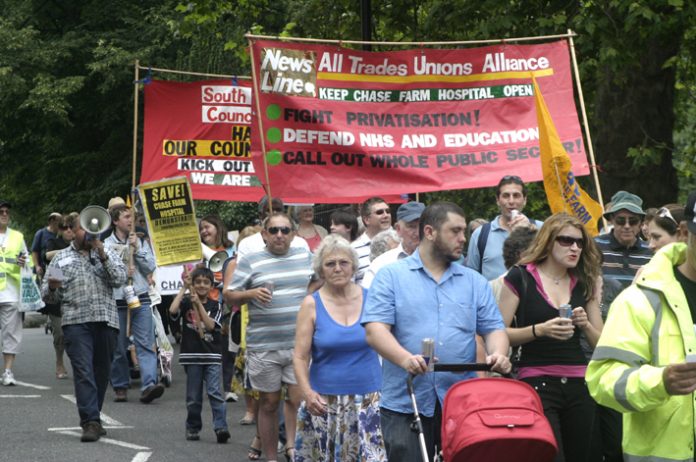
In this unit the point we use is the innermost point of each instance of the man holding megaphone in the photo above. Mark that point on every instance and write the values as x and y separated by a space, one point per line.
81 278
133 302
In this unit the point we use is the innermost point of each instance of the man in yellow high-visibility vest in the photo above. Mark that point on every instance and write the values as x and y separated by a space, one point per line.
13 255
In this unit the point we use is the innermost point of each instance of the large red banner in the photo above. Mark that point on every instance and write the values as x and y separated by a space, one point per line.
346 121
201 130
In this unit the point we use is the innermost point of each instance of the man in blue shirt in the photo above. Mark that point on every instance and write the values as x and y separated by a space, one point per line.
511 197
427 296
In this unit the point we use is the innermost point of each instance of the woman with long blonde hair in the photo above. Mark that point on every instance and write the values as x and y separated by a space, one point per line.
554 296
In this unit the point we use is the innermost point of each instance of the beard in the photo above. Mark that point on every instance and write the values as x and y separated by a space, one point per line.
442 251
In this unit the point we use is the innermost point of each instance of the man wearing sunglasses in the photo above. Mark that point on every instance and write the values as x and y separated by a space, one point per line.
644 365
623 254
273 282
485 253
256 242
623 251
376 216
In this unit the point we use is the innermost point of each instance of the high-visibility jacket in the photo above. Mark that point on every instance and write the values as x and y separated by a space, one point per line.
649 327
9 251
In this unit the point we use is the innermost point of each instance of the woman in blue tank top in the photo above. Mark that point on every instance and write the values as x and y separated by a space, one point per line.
339 417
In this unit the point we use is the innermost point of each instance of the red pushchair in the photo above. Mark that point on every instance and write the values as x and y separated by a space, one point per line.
491 420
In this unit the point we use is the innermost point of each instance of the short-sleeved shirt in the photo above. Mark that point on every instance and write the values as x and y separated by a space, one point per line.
40 242
492 264
194 349
452 311
362 248
272 326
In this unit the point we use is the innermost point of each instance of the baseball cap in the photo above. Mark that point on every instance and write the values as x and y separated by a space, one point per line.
114 201
410 211
690 212
4 203
623 200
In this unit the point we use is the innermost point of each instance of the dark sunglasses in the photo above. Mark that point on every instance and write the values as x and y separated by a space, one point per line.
511 178
283 229
567 241
382 212
621 221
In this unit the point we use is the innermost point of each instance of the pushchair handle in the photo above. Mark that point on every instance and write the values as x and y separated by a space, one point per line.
464 367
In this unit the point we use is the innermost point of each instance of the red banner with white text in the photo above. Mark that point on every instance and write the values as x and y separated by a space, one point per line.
201 130
407 121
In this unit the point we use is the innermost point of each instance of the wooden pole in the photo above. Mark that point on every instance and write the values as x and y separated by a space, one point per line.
200 74
135 121
130 249
363 42
261 134
590 149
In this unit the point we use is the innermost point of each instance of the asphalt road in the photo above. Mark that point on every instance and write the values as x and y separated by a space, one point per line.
39 421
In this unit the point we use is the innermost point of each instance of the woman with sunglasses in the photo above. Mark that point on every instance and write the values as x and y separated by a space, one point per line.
665 227
560 268
339 418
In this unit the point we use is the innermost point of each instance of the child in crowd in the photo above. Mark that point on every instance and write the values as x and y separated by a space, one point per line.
200 352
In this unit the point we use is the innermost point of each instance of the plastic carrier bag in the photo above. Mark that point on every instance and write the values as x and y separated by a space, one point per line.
29 294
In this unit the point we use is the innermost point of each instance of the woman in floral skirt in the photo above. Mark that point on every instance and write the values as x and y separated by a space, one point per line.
339 418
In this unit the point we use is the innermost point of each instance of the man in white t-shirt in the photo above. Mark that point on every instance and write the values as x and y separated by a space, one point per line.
406 226
376 217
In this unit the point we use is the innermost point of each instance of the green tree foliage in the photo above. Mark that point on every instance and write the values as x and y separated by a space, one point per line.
66 72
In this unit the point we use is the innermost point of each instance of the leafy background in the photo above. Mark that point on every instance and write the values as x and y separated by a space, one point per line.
66 83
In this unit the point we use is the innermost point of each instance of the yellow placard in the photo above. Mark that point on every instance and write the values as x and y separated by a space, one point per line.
171 220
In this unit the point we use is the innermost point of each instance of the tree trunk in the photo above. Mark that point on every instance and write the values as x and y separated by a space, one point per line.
637 112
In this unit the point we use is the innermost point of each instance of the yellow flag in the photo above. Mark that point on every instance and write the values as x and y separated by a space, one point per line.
563 192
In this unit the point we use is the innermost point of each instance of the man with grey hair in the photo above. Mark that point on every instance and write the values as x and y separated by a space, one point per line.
384 241
406 226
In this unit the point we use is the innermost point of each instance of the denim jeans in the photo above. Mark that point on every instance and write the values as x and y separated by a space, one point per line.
143 333
211 375
401 442
90 347
571 413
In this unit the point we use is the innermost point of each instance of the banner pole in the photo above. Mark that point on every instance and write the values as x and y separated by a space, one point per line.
363 42
135 120
200 74
255 81
590 149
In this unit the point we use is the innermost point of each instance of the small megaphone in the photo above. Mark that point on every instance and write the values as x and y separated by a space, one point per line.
95 220
215 259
